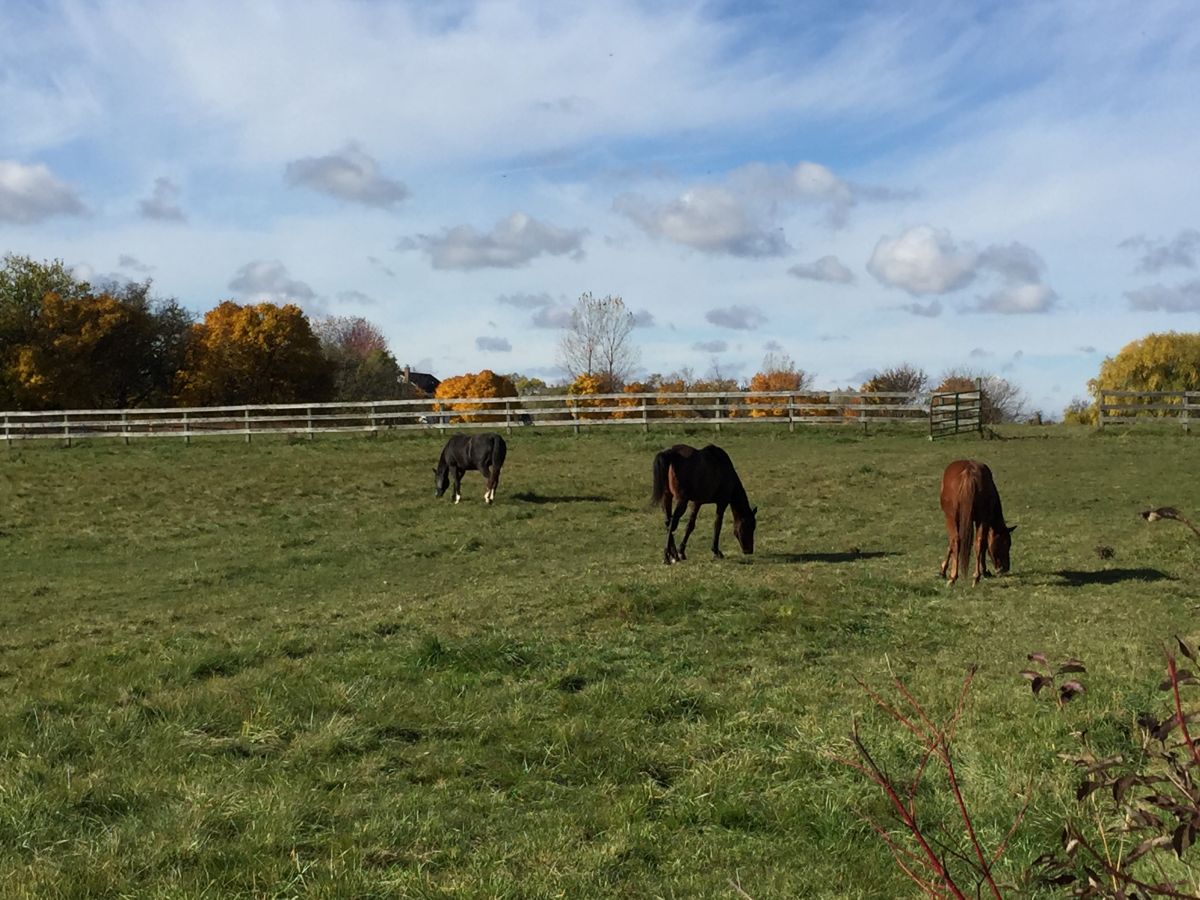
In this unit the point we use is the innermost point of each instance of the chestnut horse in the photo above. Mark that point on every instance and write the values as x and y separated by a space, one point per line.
972 507
685 475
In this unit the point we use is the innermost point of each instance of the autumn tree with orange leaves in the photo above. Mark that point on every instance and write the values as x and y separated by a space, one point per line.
257 353
482 384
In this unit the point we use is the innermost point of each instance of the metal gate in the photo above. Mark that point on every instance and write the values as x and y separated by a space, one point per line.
956 412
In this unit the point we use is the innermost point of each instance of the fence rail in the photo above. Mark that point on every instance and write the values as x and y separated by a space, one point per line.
1133 407
715 409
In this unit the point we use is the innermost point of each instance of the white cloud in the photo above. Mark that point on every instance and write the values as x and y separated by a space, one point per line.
828 269
270 280
708 219
1179 298
350 174
526 301
739 318
643 318
930 310
512 243
1160 253
923 260
493 344
163 202
742 214
553 316
1017 299
355 297
31 193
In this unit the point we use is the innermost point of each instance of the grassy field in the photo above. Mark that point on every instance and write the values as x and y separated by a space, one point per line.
284 669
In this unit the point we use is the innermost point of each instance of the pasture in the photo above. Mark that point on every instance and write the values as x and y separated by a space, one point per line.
285 669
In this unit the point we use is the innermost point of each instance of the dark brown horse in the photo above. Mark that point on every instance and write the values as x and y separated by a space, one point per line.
973 513
484 452
683 475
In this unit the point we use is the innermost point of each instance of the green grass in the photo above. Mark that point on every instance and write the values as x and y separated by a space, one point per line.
285 669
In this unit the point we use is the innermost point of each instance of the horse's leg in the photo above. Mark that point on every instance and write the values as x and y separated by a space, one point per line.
672 552
458 476
687 532
487 482
949 545
954 539
717 531
493 483
980 551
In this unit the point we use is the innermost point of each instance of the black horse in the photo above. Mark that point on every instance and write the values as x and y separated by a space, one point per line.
684 474
482 452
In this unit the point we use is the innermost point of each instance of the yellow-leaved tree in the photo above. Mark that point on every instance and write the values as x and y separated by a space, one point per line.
1167 361
257 353
479 384
582 386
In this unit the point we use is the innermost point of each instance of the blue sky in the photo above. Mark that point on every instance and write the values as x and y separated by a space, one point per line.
1006 186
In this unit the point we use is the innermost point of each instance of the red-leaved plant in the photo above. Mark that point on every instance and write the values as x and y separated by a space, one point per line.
937 870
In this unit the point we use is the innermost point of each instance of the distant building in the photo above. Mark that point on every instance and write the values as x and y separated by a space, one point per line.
422 381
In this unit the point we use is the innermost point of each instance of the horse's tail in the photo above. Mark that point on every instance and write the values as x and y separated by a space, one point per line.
964 507
662 468
499 451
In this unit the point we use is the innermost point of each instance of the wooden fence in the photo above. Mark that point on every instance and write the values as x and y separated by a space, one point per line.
715 409
1129 407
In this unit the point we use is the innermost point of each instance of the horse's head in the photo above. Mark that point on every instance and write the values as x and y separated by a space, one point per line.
743 530
1000 546
441 480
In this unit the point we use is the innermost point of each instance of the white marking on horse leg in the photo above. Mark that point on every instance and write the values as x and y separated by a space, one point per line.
457 497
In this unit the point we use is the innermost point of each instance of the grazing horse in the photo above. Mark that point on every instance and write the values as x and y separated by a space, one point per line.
684 474
972 507
484 452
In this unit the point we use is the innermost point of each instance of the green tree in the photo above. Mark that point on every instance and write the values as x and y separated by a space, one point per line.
363 367
23 285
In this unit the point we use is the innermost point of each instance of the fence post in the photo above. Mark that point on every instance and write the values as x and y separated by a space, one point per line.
508 416
7 433
187 430
720 400
1187 428
1099 409
247 418
67 428
125 427
645 418
791 413
308 421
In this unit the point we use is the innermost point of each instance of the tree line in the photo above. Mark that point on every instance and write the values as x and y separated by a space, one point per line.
69 344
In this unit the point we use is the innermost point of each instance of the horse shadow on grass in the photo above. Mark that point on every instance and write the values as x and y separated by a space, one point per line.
1082 578
535 497
842 556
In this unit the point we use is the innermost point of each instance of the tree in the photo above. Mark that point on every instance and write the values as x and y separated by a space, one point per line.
114 349
1079 412
1003 401
597 342
363 367
779 373
260 353
902 379
1157 362
482 384
23 285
